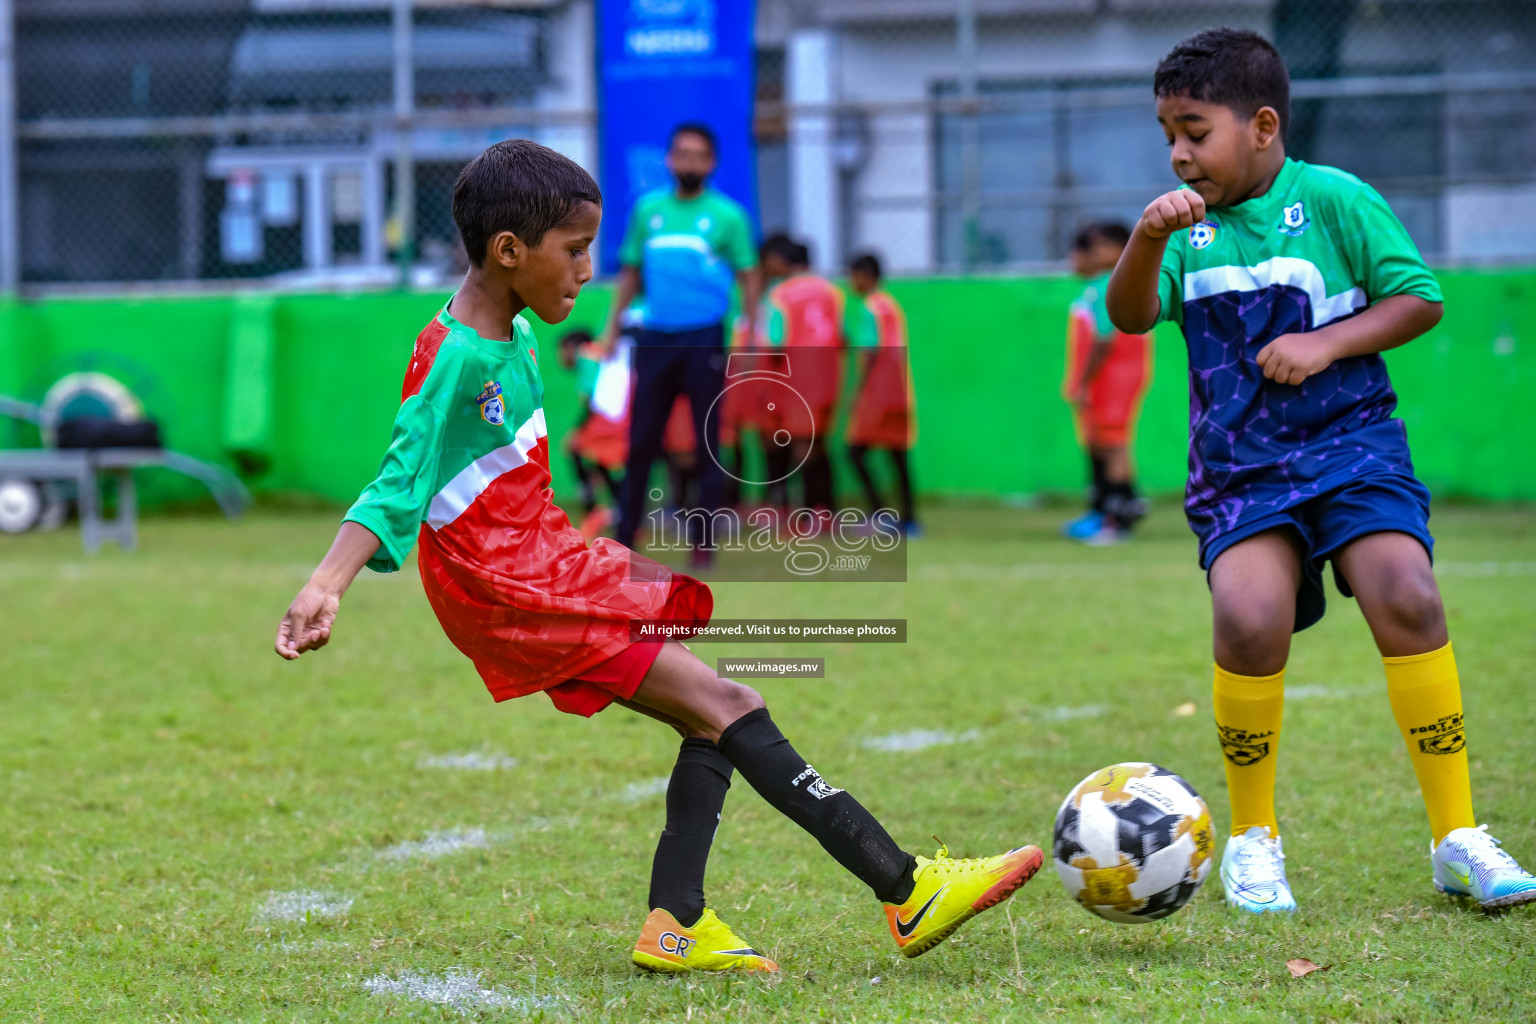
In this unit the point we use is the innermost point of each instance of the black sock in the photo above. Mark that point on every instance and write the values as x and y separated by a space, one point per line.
588 498
1122 505
1098 490
694 798
839 822
904 483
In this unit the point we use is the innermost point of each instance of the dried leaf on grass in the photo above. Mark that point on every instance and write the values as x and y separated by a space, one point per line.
1301 967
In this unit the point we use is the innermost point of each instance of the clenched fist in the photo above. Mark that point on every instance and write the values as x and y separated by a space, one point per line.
1292 358
1172 212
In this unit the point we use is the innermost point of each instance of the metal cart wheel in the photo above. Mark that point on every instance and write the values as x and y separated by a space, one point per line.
21 505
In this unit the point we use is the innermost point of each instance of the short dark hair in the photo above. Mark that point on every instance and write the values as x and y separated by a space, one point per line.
784 247
866 263
1101 231
521 187
1235 67
576 337
698 128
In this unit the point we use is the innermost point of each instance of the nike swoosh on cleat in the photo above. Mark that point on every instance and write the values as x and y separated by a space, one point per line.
906 928
1251 893
739 952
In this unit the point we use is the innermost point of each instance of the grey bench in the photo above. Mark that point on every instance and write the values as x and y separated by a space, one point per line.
85 468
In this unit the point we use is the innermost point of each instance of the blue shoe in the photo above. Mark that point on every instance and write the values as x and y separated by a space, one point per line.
1084 526
1253 873
1468 862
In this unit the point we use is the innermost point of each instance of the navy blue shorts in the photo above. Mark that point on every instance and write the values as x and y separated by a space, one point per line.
1367 504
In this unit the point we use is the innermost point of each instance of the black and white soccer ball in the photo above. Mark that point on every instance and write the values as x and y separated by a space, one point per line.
1133 842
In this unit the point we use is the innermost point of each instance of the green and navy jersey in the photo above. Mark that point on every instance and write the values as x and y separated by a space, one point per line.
688 252
1319 246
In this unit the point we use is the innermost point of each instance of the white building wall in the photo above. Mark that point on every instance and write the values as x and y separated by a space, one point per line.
893 210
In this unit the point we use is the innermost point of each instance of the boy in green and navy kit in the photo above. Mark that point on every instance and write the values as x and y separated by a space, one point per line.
1289 280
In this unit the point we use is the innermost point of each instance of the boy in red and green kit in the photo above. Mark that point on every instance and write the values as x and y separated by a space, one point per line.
517 589
1107 376
803 314
884 412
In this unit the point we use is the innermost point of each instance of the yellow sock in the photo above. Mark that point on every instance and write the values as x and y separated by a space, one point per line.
1248 710
1426 701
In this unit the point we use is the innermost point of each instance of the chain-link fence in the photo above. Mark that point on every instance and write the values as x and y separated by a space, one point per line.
221 140
977 135
224 139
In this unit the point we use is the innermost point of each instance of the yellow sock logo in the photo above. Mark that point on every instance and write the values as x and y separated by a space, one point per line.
1444 736
1242 747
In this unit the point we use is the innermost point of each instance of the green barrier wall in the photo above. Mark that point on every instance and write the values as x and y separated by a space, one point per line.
299 390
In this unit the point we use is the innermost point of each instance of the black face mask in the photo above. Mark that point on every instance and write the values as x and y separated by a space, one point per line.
690 182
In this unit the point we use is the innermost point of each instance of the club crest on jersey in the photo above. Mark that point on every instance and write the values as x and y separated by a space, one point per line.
1294 220
491 408
1202 234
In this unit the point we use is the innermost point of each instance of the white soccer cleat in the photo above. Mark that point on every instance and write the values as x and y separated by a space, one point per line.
1469 862
1253 873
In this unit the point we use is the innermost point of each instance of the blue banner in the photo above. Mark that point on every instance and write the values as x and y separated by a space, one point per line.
661 62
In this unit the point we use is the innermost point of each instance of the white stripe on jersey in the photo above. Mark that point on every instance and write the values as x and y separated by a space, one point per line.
471 481
1289 271
680 241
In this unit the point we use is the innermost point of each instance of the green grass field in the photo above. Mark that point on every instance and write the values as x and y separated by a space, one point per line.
169 784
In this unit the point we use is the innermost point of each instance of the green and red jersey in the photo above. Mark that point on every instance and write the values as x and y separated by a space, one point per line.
1124 373
804 313
884 413
466 474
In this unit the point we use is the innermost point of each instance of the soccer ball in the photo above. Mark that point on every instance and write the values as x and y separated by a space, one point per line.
1133 842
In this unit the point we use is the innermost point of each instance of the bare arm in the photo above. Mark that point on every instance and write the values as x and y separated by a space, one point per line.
1095 362
1395 320
1132 294
751 283
629 287
307 624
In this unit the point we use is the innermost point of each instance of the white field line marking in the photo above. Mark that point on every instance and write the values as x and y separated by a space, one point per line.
1485 568
1062 713
919 739
444 842
1160 570
284 946
441 844
458 990
922 739
473 761
1052 571
638 791
235 575
1314 691
303 905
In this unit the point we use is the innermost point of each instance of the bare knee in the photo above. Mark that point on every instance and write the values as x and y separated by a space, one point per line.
739 699
1410 602
1253 635
728 701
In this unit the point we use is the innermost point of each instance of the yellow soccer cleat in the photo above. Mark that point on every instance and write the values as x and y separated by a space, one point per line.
709 945
950 892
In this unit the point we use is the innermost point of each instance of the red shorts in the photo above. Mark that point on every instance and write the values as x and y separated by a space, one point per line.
1114 397
678 437
615 679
